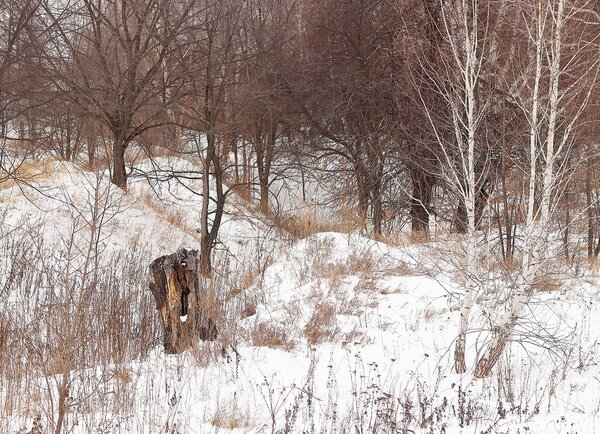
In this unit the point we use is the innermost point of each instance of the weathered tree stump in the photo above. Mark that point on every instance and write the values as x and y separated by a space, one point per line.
174 282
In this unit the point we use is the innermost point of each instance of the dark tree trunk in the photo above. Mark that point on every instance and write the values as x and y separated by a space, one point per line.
205 239
377 202
500 337
209 230
210 240
302 176
362 186
507 249
91 152
590 211
377 213
119 174
205 254
420 203
263 174
2 125
264 195
68 149
236 159
460 219
265 149
567 225
174 282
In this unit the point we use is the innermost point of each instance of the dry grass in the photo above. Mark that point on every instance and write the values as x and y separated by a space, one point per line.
152 202
361 263
230 417
31 170
247 279
330 271
547 283
355 336
594 267
498 264
250 275
174 218
321 326
418 238
239 294
393 238
122 374
209 303
336 277
249 309
76 323
272 336
242 191
306 224
400 238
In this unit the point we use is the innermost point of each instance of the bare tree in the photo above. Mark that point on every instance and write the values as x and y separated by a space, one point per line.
553 105
348 96
210 69
21 74
458 84
116 60
269 45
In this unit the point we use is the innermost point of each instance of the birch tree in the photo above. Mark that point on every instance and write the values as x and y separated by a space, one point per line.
553 101
458 85
466 113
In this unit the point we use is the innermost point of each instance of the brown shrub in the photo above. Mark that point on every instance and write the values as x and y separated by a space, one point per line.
306 224
321 326
272 336
230 417
547 283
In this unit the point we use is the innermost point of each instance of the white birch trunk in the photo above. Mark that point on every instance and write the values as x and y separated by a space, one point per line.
537 223
465 124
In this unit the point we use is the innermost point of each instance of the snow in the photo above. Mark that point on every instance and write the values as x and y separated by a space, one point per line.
384 360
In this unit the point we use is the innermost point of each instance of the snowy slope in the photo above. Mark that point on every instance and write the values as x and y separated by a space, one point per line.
346 334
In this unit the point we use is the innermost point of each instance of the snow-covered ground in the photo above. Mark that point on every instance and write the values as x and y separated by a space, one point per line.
346 334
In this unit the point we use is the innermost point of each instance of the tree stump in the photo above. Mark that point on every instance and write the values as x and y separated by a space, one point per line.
174 282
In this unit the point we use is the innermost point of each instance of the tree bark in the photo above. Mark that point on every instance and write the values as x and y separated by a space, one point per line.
265 150
590 212
264 195
119 174
377 201
422 184
174 282
535 244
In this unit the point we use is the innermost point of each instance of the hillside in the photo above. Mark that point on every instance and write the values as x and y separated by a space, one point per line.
335 332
